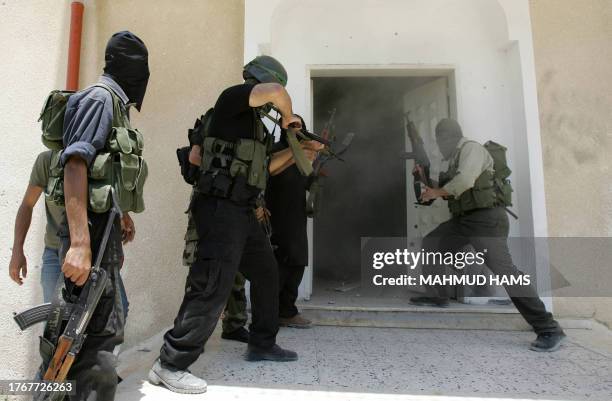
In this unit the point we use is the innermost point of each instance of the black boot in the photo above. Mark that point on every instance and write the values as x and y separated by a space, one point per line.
240 335
274 353
547 342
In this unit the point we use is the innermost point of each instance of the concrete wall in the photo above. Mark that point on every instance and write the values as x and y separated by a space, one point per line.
196 50
33 62
573 65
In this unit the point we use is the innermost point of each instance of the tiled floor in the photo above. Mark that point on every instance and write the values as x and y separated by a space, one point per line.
376 363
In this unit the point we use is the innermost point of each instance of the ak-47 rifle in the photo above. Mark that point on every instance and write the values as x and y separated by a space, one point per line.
294 136
421 161
78 314
315 186
329 153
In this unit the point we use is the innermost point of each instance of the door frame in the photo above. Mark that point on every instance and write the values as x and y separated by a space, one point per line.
365 70
264 35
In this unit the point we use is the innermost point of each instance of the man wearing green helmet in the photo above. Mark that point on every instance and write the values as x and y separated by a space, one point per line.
265 69
235 162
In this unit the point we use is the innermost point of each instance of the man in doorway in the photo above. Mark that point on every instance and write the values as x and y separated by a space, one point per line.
482 222
233 175
286 201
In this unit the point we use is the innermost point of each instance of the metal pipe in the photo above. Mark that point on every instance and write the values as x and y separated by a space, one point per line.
74 45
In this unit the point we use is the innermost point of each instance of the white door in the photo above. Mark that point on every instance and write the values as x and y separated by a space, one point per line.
427 105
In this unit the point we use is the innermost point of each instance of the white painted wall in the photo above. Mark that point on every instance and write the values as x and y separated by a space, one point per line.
486 42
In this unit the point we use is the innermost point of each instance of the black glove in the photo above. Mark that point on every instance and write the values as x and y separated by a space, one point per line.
189 171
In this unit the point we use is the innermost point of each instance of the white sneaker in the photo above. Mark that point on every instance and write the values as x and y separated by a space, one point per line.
180 381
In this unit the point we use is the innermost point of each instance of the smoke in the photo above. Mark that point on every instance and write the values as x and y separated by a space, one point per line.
366 195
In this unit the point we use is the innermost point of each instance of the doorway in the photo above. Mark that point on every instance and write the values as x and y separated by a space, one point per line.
370 193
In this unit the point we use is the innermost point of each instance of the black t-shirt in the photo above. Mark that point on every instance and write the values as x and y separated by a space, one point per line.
286 200
233 117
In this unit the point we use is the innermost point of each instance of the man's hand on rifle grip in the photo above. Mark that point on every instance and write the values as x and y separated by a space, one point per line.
262 214
433 193
311 149
77 264
128 230
292 121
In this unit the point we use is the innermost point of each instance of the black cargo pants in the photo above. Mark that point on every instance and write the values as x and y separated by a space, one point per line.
94 368
230 240
290 278
487 229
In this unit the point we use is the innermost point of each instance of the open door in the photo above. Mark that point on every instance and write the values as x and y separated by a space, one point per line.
427 105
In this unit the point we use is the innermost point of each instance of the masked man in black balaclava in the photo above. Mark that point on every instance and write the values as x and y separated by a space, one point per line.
97 129
127 64
478 194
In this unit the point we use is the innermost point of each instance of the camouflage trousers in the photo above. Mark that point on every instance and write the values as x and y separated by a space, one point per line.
235 314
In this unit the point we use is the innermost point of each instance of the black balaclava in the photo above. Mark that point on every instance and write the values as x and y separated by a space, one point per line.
448 135
127 62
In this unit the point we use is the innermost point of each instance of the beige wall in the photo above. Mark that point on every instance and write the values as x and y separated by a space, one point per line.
574 71
196 49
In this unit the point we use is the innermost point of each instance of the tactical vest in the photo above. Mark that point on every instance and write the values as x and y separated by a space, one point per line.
491 189
226 165
119 165
222 163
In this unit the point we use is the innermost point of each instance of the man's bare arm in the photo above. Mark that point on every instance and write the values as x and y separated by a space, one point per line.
284 159
18 266
280 161
278 96
282 168
78 258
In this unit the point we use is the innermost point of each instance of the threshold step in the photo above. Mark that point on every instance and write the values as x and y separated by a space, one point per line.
398 313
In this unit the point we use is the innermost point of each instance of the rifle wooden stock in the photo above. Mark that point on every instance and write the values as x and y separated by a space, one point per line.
60 358
63 373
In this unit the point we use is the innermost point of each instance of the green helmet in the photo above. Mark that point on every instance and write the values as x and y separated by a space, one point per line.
265 69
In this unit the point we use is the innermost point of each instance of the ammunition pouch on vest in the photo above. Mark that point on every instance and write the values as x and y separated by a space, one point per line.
491 189
52 119
119 165
234 170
